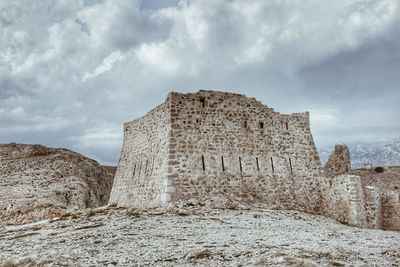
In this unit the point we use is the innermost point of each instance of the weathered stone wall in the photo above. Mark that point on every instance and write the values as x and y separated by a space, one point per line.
343 200
373 206
218 147
227 147
140 180
391 211
338 162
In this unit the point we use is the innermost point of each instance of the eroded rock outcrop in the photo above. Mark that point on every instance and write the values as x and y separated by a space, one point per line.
37 182
339 162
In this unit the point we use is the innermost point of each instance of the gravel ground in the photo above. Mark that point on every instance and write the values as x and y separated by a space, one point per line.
195 237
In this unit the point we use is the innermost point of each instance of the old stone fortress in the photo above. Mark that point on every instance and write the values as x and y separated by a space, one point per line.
223 149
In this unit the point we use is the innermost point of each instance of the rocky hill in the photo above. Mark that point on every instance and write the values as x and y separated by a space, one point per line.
377 154
37 182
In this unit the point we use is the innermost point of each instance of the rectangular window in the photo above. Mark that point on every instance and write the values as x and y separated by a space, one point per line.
140 168
261 124
240 164
203 163
145 167
272 165
245 124
222 162
258 166
290 165
287 126
152 165
202 102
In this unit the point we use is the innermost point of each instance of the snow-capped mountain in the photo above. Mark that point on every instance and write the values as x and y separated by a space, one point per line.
376 154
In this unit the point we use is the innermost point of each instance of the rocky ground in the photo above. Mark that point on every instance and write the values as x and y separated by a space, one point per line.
195 236
37 182
388 180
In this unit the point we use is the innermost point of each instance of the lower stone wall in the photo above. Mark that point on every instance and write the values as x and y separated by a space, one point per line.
391 211
226 189
373 206
343 200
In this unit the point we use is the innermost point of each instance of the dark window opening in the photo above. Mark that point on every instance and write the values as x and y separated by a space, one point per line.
290 164
245 124
272 165
134 169
145 167
152 165
240 164
258 166
202 102
287 126
140 168
197 120
203 163
261 125
222 162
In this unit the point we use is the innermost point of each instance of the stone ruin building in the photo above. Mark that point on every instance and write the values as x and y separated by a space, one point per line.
223 148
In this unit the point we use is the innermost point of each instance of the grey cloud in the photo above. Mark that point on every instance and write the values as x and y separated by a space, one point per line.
340 61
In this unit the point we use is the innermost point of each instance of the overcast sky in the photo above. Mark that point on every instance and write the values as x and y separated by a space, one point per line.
72 71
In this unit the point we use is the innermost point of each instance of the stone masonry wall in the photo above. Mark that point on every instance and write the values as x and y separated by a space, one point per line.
140 179
229 148
391 211
343 200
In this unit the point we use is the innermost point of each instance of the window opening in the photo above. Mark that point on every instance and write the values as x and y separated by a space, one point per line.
258 166
261 125
290 164
152 165
287 126
222 162
272 165
145 166
134 169
202 102
203 163
245 124
240 164
140 168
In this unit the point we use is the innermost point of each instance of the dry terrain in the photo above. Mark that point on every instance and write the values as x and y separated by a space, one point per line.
37 182
195 236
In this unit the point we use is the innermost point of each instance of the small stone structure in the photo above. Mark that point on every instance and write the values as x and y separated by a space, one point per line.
222 148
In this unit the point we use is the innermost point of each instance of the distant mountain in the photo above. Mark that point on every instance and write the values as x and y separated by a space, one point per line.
377 154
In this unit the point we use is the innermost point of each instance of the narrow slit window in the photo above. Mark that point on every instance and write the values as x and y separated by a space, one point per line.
140 168
272 165
261 124
245 124
290 165
202 102
145 166
203 163
240 164
222 162
258 166
134 170
287 126
152 165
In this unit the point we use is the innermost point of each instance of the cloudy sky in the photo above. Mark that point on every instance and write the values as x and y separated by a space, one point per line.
72 71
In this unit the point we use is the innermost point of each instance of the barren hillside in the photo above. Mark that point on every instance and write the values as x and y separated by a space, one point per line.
196 236
37 182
